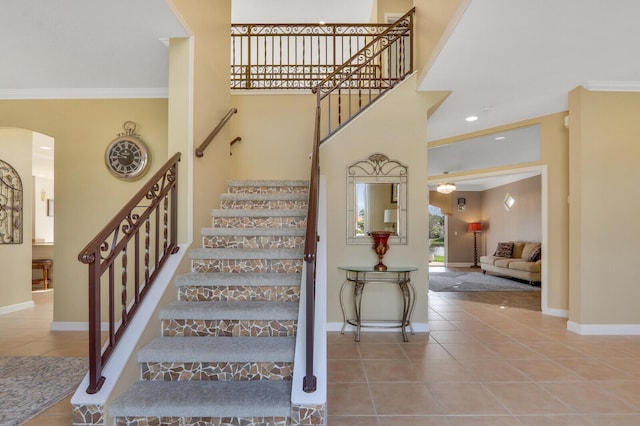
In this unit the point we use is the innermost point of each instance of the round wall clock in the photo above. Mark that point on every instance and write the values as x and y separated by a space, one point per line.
127 156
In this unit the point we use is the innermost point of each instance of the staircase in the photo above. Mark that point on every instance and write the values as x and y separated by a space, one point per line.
226 352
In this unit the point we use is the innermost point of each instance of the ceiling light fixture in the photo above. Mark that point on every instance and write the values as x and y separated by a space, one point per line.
500 138
47 148
446 188
471 118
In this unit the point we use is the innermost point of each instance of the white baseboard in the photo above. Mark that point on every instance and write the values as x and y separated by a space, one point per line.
604 329
562 313
16 307
418 327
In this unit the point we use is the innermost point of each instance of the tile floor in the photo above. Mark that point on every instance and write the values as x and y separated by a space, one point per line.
490 359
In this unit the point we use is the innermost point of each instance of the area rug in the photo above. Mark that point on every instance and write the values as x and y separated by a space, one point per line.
30 385
475 281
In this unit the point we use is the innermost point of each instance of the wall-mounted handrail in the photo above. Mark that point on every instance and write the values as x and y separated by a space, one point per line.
150 219
205 143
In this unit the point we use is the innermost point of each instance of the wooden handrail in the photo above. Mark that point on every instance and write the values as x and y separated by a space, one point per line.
205 143
150 216
352 82
310 257
334 82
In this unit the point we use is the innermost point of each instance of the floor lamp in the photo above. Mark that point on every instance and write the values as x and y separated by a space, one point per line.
475 227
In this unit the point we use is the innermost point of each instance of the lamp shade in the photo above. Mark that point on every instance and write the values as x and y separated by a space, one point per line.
474 227
390 216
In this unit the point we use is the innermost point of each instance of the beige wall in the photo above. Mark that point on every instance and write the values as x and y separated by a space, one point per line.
554 159
15 259
277 136
87 195
403 139
208 22
522 223
604 226
392 6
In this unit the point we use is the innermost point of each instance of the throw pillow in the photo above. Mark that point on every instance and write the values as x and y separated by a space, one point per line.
504 250
535 255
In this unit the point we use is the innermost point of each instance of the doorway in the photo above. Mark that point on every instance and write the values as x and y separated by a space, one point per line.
437 236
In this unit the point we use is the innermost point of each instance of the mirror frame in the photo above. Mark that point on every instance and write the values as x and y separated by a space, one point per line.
377 168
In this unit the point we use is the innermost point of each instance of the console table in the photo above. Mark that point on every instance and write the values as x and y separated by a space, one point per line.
360 276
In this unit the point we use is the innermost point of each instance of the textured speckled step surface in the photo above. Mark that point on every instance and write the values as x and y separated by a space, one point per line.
259 398
226 253
262 232
233 279
230 310
219 349
259 213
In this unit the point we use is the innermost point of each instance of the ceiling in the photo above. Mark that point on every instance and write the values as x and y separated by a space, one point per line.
504 60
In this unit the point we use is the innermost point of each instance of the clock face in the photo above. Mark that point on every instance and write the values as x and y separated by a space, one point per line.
127 157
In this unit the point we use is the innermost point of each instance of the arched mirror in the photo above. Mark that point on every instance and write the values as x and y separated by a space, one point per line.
376 199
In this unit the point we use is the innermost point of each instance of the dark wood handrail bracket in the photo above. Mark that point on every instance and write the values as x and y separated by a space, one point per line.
149 220
205 143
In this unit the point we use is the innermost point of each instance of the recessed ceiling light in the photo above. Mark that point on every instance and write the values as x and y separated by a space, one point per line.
471 118
322 23
499 138
45 147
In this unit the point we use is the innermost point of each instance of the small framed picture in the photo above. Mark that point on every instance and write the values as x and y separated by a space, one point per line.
462 204
394 193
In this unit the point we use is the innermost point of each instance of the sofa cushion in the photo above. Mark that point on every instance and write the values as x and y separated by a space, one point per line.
521 265
503 262
528 248
488 259
517 249
504 249
535 255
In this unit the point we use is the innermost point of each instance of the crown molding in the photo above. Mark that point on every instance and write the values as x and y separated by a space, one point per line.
92 93
613 86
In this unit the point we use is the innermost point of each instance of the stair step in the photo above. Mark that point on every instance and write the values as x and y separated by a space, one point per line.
263 201
230 310
270 238
231 279
268 186
259 218
206 399
222 349
246 260
229 253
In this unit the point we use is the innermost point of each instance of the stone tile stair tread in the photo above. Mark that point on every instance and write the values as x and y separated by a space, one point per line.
235 279
219 349
242 196
272 183
250 310
259 213
258 232
229 253
205 398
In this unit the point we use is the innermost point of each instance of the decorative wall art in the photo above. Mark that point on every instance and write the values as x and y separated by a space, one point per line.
10 205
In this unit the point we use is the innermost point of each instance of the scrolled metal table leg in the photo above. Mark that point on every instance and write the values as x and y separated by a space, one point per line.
406 306
357 302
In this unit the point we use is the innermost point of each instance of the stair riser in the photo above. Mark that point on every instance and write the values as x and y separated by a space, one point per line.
239 293
296 222
255 328
282 266
264 204
269 189
202 421
275 242
243 371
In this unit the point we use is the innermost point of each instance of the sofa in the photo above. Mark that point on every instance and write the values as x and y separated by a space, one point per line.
516 259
